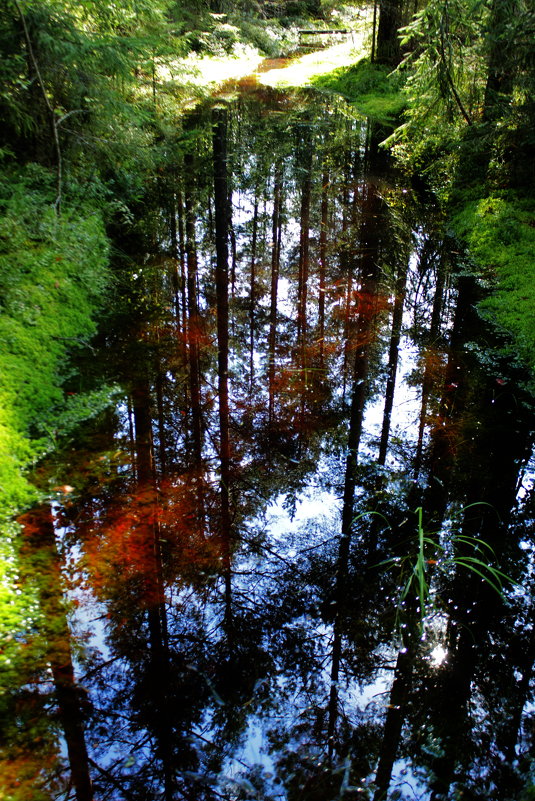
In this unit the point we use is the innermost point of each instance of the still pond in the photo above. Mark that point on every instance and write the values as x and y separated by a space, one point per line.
294 560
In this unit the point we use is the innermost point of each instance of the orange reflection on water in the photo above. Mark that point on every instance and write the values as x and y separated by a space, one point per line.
154 530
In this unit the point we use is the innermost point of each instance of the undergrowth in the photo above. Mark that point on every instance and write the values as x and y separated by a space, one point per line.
372 88
499 231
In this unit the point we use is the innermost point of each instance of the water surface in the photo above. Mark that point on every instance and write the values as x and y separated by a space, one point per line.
237 598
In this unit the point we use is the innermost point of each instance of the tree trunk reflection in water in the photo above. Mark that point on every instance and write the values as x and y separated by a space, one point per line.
194 321
367 310
153 592
222 215
393 358
252 293
323 266
276 233
40 539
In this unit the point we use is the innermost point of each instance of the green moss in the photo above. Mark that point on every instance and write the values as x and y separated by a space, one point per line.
500 233
372 88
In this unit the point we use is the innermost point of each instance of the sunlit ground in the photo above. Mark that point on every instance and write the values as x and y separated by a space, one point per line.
211 71
301 71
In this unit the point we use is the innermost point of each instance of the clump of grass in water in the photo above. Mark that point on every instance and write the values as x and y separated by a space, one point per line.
415 568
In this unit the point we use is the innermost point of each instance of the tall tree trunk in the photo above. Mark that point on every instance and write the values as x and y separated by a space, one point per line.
394 722
194 323
388 48
304 243
304 267
182 259
175 252
434 328
369 244
393 358
345 269
154 595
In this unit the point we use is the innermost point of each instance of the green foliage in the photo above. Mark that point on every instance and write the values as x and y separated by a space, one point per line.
469 125
52 274
431 557
445 74
500 233
469 92
372 88
268 36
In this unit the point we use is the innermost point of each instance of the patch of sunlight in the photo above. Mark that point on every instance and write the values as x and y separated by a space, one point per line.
438 655
301 70
212 71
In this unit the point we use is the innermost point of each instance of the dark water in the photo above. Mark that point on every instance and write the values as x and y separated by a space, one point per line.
268 570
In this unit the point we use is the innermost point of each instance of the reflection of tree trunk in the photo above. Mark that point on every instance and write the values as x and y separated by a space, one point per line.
193 310
176 253
39 530
182 259
234 257
345 269
154 586
518 692
141 403
323 263
276 230
304 246
394 722
454 719
160 386
393 358
221 240
252 295
434 328
347 332
304 265
369 244
489 487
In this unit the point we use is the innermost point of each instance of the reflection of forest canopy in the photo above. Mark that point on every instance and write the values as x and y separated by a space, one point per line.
269 277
